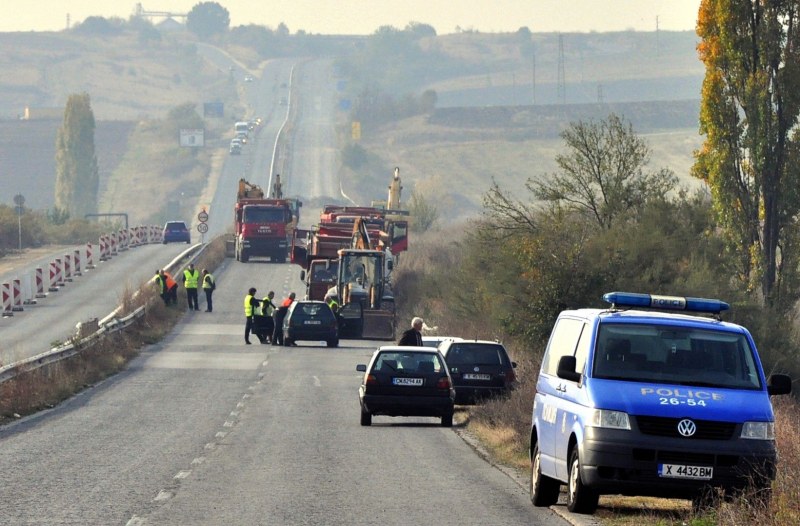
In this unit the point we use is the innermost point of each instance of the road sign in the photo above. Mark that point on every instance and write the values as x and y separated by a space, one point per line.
202 216
19 200
202 228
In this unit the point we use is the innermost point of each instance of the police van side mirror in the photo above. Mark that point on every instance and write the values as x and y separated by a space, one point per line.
779 384
566 369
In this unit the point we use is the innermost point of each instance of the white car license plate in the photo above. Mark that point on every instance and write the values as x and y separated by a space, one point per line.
678 471
313 322
407 381
471 376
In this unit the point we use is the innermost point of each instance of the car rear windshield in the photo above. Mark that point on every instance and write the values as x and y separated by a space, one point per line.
315 311
676 355
174 227
475 354
394 362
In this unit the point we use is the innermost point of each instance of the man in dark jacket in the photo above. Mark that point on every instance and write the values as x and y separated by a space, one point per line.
412 336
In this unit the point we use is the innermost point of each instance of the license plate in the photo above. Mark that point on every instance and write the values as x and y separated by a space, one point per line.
471 376
678 471
407 381
312 322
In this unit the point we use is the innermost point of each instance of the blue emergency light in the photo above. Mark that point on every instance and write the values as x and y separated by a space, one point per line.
652 301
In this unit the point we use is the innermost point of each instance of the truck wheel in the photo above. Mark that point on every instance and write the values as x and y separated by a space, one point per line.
244 256
580 499
333 343
544 490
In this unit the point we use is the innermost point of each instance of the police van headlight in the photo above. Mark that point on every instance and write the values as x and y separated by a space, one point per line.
609 419
758 430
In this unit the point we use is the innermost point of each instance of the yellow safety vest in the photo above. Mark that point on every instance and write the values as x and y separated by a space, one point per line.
248 308
208 282
160 283
267 306
191 279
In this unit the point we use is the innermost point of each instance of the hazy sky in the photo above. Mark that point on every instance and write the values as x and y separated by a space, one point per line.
365 16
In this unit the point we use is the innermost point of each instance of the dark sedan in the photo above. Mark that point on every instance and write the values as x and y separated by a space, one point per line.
310 321
480 369
406 381
175 231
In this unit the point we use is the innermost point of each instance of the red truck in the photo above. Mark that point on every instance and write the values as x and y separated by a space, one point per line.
262 227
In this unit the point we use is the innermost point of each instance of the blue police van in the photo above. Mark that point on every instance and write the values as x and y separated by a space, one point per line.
638 399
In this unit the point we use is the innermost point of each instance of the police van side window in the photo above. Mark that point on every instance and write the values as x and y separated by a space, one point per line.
582 352
563 342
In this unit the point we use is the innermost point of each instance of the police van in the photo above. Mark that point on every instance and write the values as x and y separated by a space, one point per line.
638 399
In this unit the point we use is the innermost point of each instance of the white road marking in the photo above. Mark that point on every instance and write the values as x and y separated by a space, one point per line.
204 360
317 383
162 496
210 446
182 474
197 461
136 521
235 413
228 423
221 434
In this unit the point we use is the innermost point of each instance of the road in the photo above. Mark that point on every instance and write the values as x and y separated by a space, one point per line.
203 429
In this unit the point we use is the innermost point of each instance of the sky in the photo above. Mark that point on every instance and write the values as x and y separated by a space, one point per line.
363 17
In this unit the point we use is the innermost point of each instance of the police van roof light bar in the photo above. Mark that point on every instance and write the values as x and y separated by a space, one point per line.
652 301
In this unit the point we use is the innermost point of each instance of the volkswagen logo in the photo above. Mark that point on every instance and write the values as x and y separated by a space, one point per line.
476 369
687 428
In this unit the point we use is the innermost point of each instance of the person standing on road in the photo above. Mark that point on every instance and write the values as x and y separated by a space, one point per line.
268 311
190 278
251 305
412 336
209 285
280 314
172 288
161 286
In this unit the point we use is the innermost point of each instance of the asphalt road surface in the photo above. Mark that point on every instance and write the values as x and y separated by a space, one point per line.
203 429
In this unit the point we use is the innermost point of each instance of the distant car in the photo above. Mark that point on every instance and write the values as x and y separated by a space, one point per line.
435 341
175 231
235 149
406 381
480 369
248 78
310 321
241 137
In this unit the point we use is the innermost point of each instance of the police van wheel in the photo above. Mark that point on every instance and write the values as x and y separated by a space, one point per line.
544 490
580 499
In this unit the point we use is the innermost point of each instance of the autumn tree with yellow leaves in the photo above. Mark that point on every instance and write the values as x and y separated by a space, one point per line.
748 115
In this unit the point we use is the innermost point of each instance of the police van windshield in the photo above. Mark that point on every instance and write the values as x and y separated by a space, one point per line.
675 355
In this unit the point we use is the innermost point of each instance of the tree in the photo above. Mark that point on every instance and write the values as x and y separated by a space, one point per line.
77 177
206 19
425 213
749 108
604 172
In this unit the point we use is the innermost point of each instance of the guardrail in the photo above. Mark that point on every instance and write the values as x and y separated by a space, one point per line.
108 325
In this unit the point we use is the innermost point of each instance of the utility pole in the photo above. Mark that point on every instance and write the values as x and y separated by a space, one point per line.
562 88
19 200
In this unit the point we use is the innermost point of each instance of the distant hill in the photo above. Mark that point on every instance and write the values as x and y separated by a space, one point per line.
27 157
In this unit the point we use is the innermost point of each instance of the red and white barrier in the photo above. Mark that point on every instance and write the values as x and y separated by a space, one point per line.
40 293
27 290
7 301
113 245
89 257
17 295
103 248
59 273
76 258
53 282
68 267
